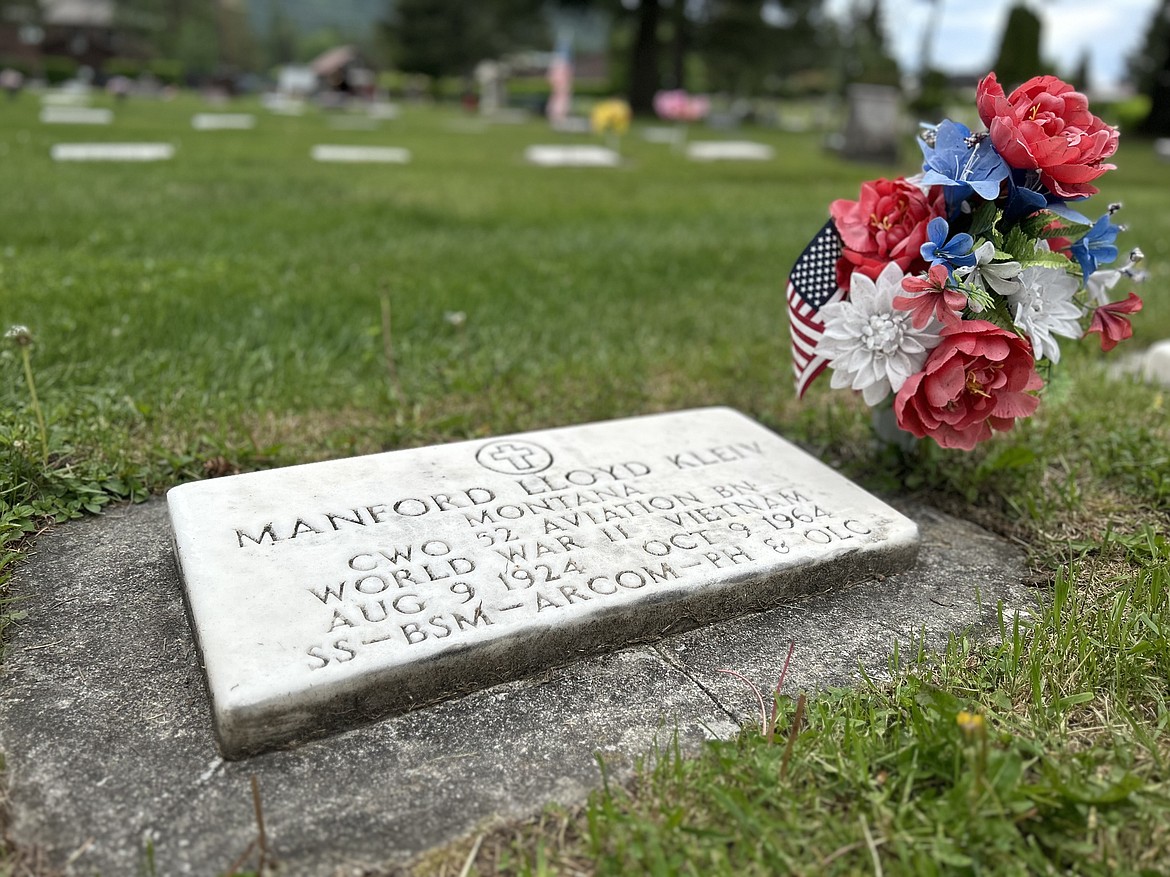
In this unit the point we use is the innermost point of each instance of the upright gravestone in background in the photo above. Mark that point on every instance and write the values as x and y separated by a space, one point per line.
334 593
874 123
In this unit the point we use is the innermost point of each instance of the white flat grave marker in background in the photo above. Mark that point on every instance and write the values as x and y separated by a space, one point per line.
223 121
360 154
75 115
664 134
283 105
729 150
67 98
332 593
112 151
571 156
383 111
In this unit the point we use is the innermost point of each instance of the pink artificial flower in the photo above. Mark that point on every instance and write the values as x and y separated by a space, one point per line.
1046 125
886 224
934 298
1108 321
980 378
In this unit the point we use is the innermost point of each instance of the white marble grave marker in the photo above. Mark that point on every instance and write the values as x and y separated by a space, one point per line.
571 156
361 154
223 121
383 111
76 97
673 135
75 115
112 151
333 593
729 150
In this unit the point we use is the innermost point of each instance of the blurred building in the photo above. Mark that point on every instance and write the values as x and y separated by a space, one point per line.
41 36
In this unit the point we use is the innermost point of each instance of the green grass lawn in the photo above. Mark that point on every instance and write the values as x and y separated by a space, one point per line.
227 310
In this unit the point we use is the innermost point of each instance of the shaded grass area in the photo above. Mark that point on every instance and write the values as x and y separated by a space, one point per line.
224 312
1046 753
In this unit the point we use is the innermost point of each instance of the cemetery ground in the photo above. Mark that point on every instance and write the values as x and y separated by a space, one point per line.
242 307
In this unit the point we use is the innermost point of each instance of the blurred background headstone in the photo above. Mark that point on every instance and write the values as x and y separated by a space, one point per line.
873 123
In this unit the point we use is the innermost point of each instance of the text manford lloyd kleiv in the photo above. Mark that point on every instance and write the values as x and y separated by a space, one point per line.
334 593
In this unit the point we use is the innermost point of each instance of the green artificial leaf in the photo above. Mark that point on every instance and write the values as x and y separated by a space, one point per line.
983 221
1046 258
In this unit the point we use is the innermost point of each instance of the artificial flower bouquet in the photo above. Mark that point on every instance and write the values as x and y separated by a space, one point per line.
945 294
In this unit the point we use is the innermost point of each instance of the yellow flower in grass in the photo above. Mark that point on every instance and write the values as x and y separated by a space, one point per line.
970 723
610 115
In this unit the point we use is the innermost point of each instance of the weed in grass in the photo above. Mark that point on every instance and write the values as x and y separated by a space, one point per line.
22 338
767 725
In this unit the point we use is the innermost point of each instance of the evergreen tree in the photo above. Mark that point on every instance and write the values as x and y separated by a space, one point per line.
449 37
1149 72
645 76
868 58
1019 48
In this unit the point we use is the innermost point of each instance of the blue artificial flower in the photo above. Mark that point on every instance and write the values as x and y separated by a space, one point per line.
953 157
1097 247
1026 195
958 252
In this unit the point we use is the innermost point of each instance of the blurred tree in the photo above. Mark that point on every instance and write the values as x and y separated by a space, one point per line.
1149 70
280 44
187 30
742 46
867 58
309 45
1079 79
645 76
804 39
449 37
1019 59
737 46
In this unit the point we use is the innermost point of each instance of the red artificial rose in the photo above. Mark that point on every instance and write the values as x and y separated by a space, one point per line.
1046 125
978 379
1108 321
887 224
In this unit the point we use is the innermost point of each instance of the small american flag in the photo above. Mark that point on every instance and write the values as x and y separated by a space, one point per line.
812 285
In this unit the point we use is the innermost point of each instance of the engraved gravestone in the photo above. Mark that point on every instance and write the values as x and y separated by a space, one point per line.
334 593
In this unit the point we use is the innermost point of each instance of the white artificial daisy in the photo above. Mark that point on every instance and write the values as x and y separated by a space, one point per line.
1044 307
872 346
1002 278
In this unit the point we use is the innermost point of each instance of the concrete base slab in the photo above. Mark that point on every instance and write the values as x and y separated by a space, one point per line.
106 728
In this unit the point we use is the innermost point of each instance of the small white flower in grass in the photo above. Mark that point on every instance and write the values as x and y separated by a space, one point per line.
19 335
871 345
1044 307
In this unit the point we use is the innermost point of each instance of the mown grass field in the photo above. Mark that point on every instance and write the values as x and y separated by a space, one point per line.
228 310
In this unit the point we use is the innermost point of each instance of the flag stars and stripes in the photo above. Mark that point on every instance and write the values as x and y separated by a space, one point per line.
812 285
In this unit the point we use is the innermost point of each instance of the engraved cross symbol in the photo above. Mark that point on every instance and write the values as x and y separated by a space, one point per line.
516 456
